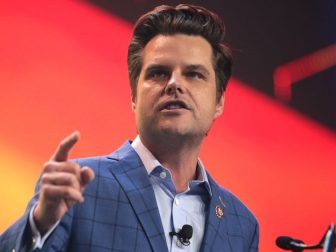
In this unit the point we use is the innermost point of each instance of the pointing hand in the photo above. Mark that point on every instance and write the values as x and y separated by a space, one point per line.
62 185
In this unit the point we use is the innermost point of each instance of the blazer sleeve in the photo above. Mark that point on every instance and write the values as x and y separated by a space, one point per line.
18 237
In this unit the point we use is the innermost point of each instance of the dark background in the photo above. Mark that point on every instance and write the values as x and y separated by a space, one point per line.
264 35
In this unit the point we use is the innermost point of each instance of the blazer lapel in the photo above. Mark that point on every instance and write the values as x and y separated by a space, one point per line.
216 226
134 180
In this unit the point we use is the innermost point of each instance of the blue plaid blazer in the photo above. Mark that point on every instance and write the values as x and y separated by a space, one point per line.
120 214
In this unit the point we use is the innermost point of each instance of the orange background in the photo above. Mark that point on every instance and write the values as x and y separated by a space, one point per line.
63 68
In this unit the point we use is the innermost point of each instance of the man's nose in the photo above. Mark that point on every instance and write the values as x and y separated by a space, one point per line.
174 85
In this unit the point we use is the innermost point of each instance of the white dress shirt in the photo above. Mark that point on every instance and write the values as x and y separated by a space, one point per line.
177 209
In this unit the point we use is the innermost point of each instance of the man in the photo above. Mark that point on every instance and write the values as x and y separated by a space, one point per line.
139 197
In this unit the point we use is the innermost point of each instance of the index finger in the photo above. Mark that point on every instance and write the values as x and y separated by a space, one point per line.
64 147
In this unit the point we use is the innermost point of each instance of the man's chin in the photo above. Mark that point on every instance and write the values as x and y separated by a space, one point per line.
180 133
173 130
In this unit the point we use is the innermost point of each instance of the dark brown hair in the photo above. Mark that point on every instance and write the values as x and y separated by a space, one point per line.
182 19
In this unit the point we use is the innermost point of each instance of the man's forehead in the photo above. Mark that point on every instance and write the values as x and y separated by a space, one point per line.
160 40
178 48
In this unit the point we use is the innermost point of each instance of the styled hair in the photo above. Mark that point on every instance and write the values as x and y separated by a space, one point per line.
182 19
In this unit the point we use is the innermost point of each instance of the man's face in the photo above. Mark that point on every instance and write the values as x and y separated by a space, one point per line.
176 90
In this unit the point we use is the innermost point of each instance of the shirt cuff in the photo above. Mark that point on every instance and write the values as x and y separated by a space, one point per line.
37 239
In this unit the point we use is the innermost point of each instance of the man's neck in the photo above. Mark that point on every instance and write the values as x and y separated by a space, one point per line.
180 158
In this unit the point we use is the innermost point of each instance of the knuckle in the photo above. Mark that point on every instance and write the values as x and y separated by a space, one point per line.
44 178
69 179
75 166
67 191
73 180
78 167
44 189
47 167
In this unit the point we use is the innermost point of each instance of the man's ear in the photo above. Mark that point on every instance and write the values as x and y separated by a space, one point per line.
220 106
133 102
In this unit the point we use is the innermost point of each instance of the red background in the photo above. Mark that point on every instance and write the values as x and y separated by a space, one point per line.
63 68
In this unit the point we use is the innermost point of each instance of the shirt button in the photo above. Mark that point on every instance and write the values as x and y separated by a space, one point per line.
163 175
13 250
177 202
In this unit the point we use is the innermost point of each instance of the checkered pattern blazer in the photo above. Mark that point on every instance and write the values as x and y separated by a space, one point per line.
120 214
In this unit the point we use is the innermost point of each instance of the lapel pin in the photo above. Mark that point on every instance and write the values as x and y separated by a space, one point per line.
219 212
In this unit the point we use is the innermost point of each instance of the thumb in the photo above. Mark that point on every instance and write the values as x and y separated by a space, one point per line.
87 175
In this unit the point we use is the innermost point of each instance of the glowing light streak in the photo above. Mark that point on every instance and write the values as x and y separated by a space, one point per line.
286 75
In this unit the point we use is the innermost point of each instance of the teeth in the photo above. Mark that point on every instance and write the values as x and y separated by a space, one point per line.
173 106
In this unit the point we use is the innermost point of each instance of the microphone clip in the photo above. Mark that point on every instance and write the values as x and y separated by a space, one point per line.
184 235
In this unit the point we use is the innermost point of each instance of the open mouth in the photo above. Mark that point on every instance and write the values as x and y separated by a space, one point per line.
172 105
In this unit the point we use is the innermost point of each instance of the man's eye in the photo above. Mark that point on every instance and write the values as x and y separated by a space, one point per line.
158 75
195 75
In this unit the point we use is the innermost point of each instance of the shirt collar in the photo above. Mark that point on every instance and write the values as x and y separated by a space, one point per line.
150 162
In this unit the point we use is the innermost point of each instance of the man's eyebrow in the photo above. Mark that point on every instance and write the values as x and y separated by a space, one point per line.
155 67
192 67
198 67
